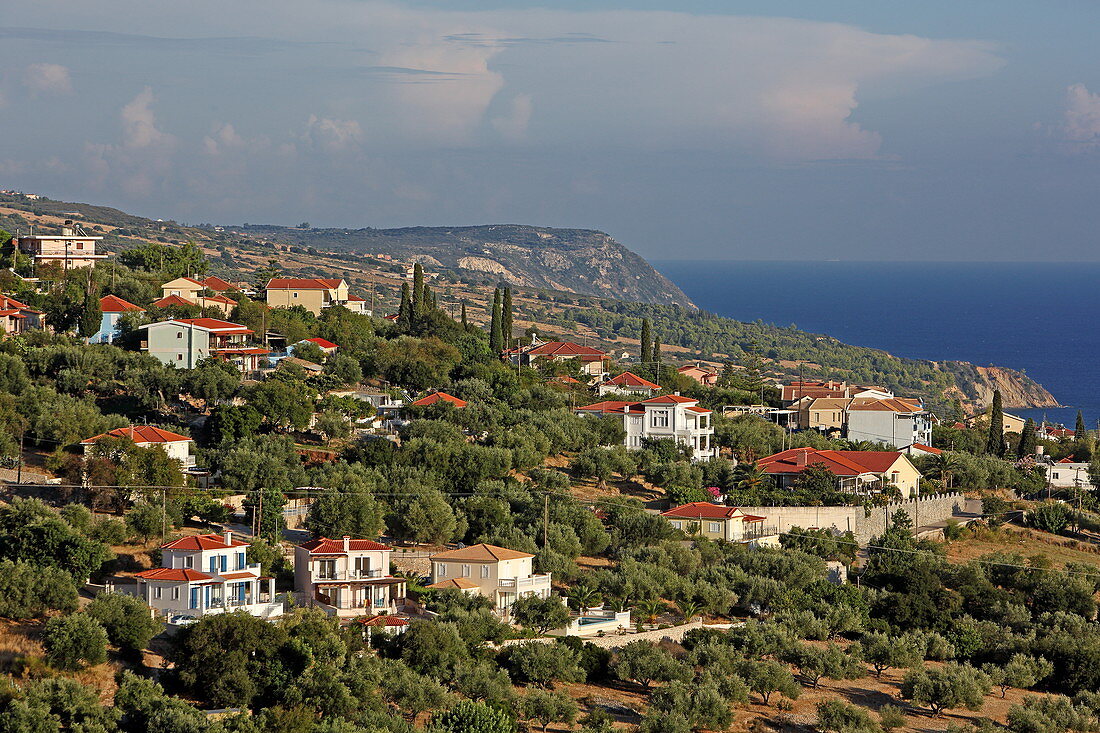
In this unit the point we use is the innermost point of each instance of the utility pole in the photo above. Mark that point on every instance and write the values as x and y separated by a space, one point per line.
19 466
260 520
545 517
163 514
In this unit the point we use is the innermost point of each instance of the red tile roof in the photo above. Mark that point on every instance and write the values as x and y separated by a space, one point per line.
216 284
630 379
668 399
609 406
926 448
218 299
564 379
170 300
302 283
559 348
201 542
174 574
840 462
323 343
140 434
703 509
12 314
235 576
9 302
439 397
325 546
454 584
482 553
892 404
115 304
384 620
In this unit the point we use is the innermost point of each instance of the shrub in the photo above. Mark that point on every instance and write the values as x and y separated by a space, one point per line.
125 618
73 641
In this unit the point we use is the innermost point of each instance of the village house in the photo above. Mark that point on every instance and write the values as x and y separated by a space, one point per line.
499 574
593 362
896 422
113 309
824 414
207 574
860 472
17 317
346 577
1054 432
628 383
668 416
327 347
717 522
184 342
920 449
145 436
188 290
437 397
314 294
70 250
1068 474
1009 424
704 375
800 390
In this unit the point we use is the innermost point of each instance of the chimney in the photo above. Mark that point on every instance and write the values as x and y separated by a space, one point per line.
800 458
228 538
347 543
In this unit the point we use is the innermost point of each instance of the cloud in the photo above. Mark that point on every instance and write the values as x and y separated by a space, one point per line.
1081 119
513 126
48 78
332 136
142 162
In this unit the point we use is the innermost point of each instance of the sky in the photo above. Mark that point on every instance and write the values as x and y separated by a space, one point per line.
695 129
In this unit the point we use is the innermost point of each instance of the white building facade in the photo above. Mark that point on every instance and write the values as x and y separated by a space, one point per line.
346 577
666 417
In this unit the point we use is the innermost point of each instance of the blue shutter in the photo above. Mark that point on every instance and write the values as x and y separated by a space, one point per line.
224 562
240 561
213 564
195 597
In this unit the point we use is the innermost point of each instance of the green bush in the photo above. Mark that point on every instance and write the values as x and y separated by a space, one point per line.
74 641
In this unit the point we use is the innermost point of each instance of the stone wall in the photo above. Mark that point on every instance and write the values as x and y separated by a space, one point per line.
619 640
856 519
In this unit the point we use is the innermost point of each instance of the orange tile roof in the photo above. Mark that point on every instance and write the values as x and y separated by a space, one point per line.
703 509
323 343
201 542
325 546
892 404
9 302
169 300
926 448
216 284
115 304
482 553
140 434
218 299
438 397
668 399
840 462
630 379
384 620
559 348
453 583
235 576
174 574
302 283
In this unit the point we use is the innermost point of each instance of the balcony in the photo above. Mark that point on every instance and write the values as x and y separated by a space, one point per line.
530 582
327 576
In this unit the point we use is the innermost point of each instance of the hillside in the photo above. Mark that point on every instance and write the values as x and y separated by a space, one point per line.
579 261
613 320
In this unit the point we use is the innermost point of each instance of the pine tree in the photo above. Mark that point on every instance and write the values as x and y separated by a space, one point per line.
1082 441
465 324
496 335
1029 441
996 441
506 323
404 313
646 354
418 308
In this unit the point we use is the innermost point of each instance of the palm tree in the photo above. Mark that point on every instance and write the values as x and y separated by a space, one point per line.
689 610
945 466
753 478
651 609
585 597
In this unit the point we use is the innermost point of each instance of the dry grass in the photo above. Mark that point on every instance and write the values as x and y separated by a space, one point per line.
1027 542
22 657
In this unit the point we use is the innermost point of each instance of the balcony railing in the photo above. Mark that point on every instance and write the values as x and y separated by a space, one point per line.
348 575
530 581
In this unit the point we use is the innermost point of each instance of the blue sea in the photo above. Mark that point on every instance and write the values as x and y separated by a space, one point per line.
1041 318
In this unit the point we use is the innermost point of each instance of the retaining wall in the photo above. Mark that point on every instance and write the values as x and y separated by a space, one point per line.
856 519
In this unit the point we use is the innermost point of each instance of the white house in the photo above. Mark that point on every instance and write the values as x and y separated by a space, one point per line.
143 436
895 421
346 578
668 416
718 522
499 574
207 574
184 342
70 250
1068 474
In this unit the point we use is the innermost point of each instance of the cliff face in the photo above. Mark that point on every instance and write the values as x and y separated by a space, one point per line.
581 261
976 385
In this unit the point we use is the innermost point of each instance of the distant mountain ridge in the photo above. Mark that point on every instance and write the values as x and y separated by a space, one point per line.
581 261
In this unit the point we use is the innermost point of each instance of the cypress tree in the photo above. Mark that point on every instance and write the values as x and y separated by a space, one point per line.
496 335
646 354
657 360
996 442
1082 442
418 304
404 313
1029 441
464 322
91 317
506 323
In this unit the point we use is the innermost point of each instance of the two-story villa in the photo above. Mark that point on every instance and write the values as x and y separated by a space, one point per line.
70 250
207 574
669 416
313 293
17 317
718 522
593 362
628 383
145 436
184 342
499 574
346 577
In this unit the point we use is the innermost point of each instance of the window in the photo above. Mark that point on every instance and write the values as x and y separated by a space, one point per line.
213 564
714 526
485 571
223 562
240 561
660 418
179 334
188 561
156 592
176 593
294 295
441 569
179 357
677 525
465 571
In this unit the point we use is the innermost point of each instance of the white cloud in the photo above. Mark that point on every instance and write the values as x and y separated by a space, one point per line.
1081 119
48 78
513 126
142 162
332 136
